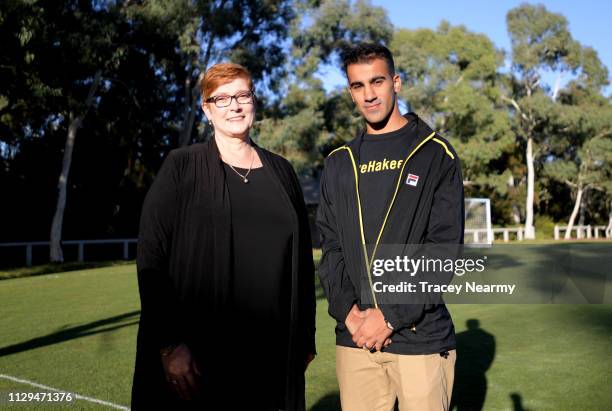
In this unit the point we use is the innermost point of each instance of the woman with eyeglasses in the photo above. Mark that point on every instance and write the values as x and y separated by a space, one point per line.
225 269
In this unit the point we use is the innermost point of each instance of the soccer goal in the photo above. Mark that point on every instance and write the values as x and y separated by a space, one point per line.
478 228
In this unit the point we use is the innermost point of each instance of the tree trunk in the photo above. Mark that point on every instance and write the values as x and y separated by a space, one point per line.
583 208
557 87
55 247
529 229
516 214
189 119
192 96
570 224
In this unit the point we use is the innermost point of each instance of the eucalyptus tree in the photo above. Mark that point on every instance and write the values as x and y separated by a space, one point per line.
451 79
581 156
540 41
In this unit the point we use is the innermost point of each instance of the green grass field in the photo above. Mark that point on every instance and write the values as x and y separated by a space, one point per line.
76 331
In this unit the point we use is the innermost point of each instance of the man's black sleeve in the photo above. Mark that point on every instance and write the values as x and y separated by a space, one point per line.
447 217
336 283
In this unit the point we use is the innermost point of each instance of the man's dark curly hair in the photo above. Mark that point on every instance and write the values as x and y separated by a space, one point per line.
365 53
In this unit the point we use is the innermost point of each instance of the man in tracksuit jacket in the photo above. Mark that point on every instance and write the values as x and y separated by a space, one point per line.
398 182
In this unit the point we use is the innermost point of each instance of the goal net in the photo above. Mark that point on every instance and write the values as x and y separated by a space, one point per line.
478 228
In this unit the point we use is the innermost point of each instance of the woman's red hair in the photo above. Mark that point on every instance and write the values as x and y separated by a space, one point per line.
223 73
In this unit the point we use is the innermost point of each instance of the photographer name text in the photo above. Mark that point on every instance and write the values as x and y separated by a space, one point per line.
426 287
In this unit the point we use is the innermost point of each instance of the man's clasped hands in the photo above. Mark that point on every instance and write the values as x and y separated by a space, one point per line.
368 328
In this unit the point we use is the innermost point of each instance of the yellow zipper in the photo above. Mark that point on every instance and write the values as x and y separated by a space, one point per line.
382 228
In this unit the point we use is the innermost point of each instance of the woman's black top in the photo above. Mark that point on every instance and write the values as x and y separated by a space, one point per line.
202 263
261 267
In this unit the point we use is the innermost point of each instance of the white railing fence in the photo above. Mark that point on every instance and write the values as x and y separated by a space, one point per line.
481 235
582 232
79 243
506 231
476 235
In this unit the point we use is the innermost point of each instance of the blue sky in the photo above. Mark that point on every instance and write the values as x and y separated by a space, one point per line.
590 21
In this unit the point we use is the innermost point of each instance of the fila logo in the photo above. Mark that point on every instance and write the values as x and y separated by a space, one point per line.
412 180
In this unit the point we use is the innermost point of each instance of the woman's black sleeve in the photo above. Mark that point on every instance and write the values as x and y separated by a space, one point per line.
159 303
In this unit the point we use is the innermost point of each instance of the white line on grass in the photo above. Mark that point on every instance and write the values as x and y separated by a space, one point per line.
77 396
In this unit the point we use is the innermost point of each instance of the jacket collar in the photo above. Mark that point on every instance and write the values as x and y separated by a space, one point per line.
423 131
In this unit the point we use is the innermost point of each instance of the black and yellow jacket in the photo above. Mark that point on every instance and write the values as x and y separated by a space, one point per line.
430 212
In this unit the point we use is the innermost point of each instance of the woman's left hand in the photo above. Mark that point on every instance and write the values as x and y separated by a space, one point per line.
309 357
182 372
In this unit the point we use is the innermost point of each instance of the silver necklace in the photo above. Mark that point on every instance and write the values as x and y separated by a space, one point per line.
244 177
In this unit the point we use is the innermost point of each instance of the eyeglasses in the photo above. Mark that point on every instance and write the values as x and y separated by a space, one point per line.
244 97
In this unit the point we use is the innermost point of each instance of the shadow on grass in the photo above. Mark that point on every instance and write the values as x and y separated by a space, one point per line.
475 354
65 334
517 402
331 402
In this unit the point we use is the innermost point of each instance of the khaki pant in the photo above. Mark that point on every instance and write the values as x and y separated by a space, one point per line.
372 381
